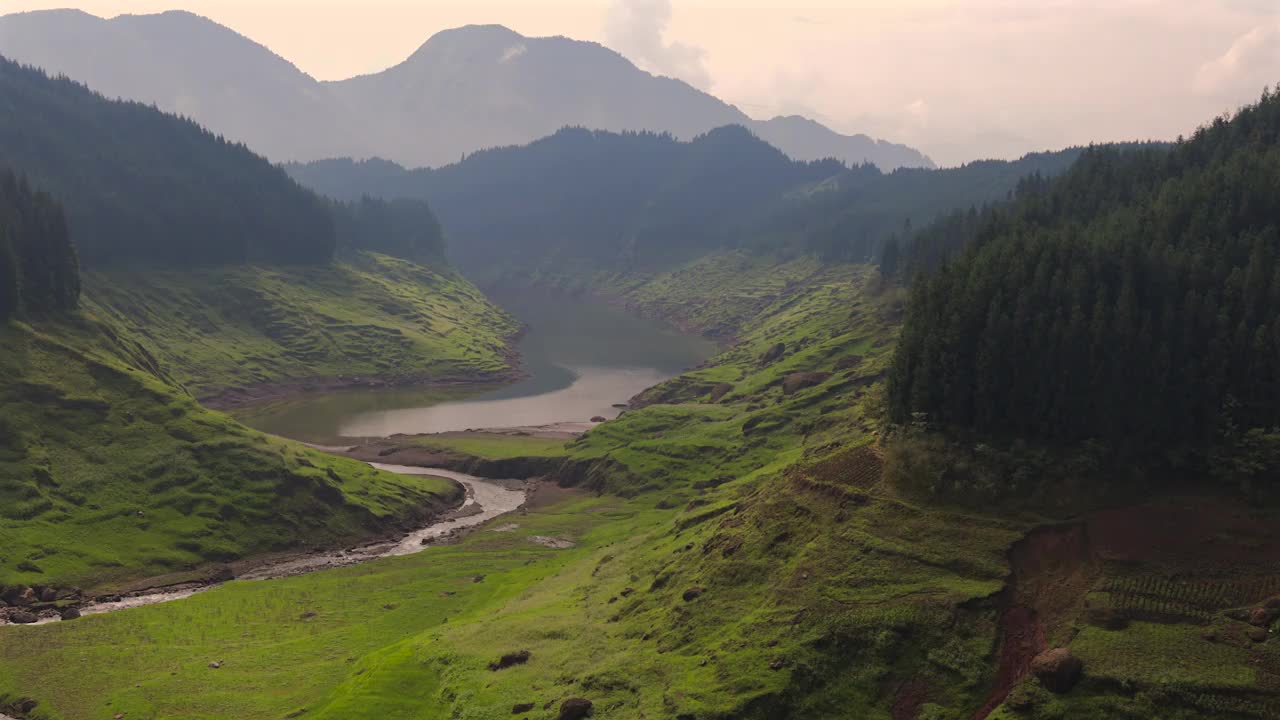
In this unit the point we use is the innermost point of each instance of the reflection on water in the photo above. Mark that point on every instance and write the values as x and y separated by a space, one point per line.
581 357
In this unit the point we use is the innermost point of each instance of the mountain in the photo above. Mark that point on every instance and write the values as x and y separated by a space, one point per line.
590 198
464 90
633 201
186 64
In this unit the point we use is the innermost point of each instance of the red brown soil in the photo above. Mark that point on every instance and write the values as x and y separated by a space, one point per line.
1189 532
1052 569
909 698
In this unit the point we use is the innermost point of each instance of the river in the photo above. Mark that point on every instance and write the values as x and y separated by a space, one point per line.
486 499
582 358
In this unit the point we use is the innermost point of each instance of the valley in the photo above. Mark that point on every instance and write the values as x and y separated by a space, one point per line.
617 423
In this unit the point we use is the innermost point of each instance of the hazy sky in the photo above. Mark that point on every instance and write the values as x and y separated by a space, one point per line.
960 79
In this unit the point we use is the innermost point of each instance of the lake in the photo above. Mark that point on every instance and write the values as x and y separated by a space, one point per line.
582 357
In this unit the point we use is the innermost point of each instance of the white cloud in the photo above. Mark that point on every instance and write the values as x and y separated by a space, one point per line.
638 28
1252 61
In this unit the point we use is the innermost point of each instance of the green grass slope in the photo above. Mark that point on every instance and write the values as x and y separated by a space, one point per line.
108 471
371 317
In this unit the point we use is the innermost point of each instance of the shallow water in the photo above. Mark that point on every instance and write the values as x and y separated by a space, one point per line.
581 357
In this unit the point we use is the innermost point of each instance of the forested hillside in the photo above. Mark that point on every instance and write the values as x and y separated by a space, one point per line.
143 187
1132 301
39 271
632 200
851 218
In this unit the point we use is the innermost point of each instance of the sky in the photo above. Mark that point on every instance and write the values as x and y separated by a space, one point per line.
959 79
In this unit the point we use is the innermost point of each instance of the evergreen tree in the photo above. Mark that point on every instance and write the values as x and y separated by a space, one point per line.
10 279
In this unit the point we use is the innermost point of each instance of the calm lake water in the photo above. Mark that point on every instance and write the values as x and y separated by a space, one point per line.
582 357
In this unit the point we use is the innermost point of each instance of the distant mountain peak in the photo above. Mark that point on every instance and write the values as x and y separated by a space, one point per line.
464 89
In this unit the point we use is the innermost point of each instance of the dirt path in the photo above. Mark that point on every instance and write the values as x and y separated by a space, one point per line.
486 499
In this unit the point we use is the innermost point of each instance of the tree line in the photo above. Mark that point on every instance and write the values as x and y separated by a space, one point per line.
402 227
39 270
1131 300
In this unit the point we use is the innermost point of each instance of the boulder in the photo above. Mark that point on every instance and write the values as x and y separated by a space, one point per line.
575 709
599 419
719 391
693 593
25 597
795 382
521 708
772 354
519 657
1261 616
1256 634
71 614
848 362
1057 669
22 617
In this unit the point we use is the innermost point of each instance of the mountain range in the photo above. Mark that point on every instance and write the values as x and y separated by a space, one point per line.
465 89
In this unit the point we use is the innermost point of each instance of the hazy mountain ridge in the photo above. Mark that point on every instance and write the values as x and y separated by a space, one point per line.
610 200
463 90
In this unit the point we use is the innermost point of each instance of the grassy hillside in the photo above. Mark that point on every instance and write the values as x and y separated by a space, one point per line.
371 317
108 471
